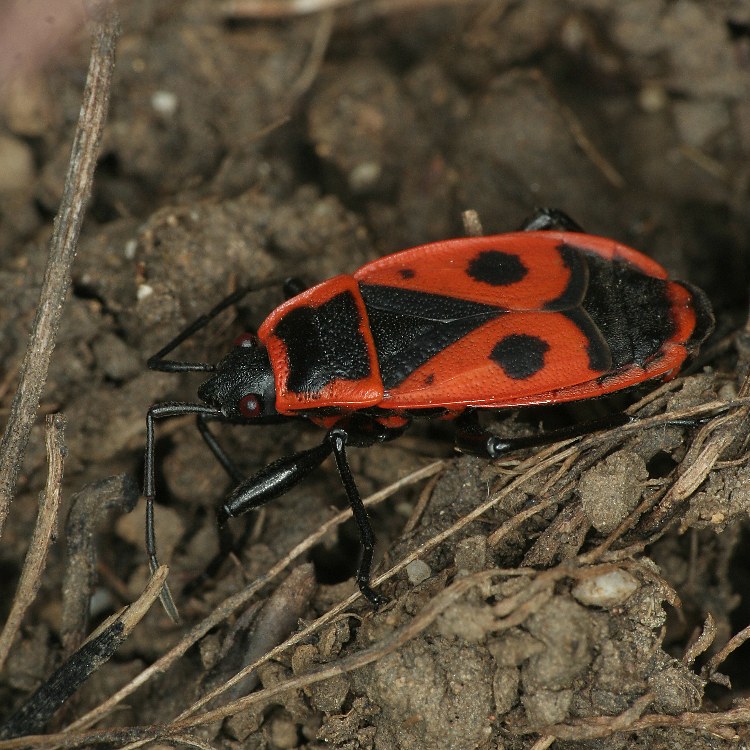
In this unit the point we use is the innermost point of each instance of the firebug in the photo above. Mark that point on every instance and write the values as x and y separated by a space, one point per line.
545 315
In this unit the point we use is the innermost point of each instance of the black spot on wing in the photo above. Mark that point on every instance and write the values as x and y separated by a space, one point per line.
407 273
520 356
324 344
410 327
497 268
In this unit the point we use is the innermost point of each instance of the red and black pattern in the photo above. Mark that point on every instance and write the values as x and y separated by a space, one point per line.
515 319
545 315
321 349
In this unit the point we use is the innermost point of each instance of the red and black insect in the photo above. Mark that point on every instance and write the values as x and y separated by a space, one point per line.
545 315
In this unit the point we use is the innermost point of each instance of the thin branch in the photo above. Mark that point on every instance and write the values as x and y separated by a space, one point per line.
88 508
385 646
43 703
720 656
46 523
534 467
62 248
315 58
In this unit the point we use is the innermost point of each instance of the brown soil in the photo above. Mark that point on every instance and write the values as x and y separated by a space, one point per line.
236 152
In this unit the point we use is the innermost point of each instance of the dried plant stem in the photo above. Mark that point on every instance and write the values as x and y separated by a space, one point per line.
46 522
32 716
62 248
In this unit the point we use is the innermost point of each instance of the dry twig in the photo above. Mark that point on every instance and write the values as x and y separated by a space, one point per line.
66 679
62 248
46 523
87 509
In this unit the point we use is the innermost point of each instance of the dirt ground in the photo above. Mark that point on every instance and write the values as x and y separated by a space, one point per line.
564 597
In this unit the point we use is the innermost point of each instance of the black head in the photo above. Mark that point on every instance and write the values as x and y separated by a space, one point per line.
243 385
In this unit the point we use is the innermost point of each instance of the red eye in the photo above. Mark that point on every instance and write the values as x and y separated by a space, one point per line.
246 340
249 405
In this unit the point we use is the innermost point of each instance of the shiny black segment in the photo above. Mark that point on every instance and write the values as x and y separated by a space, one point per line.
497 268
578 283
324 344
630 309
550 219
271 482
409 327
519 355
243 371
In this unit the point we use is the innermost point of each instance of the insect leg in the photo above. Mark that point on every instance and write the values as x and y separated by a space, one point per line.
473 439
161 411
228 464
227 543
546 219
221 455
272 481
337 439
158 361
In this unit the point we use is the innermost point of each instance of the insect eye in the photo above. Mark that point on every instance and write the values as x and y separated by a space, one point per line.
246 340
249 405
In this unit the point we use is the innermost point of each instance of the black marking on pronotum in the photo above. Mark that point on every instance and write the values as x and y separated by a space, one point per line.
497 268
324 344
409 328
520 356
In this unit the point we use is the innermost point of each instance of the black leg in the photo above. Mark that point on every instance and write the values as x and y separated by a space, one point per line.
227 546
547 219
227 543
222 457
235 474
162 411
271 482
279 477
473 439
157 361
337 439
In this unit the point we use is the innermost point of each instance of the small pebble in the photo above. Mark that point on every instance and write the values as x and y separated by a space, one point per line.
606 590
165 103
417 572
